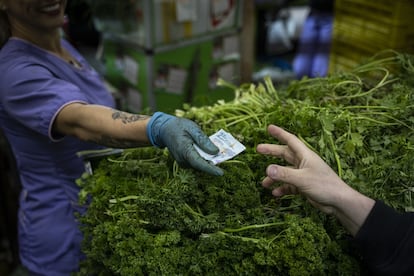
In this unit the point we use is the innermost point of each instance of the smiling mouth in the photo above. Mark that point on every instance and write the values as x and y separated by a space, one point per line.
54 8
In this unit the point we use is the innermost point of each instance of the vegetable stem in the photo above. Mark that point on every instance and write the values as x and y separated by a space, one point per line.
255 226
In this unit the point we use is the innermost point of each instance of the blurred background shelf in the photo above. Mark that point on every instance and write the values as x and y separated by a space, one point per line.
162 54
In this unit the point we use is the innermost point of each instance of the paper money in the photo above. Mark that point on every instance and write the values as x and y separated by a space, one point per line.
229 147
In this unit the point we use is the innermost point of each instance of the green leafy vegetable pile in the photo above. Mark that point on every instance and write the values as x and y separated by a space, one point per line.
149 217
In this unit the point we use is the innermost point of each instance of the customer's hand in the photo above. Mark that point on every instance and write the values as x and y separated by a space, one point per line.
309 175
180 135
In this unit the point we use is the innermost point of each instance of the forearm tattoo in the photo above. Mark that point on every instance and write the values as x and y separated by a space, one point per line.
127 118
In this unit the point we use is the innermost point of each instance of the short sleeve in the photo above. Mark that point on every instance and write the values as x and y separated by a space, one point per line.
34 96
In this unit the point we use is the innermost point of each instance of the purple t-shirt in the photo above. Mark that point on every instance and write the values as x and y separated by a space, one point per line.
34 86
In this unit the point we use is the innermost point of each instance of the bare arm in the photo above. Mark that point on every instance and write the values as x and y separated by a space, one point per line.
118 129
310 176
102 125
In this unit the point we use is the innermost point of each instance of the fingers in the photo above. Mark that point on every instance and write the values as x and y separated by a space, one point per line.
196 161
285 189
201 139
287 138
280 151
280 134
288 176
205 144
181 136
285 174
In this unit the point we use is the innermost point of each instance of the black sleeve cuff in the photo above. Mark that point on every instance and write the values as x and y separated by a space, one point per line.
386 241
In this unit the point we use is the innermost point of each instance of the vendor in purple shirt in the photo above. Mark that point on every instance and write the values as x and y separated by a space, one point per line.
53 105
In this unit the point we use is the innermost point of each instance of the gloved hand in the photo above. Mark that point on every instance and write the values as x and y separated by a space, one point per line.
179 135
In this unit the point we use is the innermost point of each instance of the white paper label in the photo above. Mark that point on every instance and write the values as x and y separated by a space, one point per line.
186 10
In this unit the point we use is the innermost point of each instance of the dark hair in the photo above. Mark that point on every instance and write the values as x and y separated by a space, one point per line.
4 28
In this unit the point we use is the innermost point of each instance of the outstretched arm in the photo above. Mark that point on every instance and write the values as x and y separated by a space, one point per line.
103 125
114 128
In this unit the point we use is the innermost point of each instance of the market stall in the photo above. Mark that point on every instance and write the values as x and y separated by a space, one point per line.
150 217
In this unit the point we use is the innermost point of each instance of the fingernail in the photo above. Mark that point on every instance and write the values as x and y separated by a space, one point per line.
272 171
276 193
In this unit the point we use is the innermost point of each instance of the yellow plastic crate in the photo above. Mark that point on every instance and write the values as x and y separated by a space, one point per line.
371 34
345 56
393 12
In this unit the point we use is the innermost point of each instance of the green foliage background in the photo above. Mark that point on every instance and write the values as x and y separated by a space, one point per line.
149 217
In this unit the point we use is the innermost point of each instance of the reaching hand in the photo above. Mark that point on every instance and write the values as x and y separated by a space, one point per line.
179 135
309 175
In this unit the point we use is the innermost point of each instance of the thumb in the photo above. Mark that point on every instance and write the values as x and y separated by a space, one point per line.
284 174
203 141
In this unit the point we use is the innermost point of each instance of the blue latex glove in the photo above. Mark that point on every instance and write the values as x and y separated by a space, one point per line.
179 135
